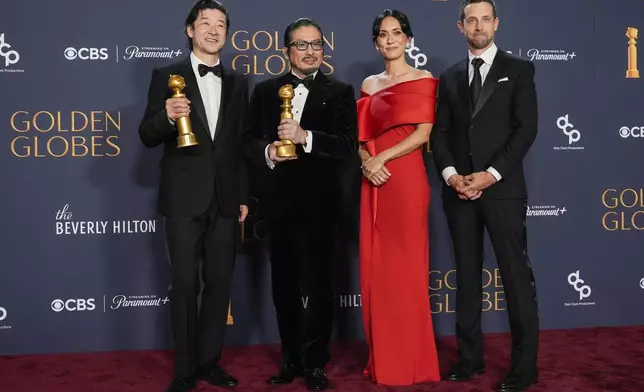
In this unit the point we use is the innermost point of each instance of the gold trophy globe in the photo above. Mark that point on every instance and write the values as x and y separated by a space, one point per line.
186 138
287 148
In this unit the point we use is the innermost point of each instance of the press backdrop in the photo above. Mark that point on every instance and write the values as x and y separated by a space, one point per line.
82 260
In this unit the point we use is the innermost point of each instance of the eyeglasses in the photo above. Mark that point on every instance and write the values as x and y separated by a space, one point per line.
303 45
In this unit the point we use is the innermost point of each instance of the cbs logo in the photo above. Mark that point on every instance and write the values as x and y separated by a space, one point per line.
86 53
73 305
626 132
3 313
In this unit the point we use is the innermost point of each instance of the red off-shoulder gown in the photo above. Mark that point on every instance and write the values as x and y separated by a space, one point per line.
394 239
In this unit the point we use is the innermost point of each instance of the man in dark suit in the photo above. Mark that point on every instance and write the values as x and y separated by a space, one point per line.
202 192
486 123
300 198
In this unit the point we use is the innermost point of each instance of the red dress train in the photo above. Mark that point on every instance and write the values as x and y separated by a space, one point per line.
394 239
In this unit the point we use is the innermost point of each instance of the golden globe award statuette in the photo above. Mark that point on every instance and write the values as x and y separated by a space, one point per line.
286 94
632 72
186 138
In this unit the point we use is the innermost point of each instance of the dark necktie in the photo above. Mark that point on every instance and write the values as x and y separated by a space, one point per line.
306 81
477 84
204 69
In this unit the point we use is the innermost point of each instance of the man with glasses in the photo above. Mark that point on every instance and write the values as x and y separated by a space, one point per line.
300 198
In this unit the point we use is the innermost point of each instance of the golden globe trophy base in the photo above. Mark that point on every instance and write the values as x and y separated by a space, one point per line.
286 150
186 140
633 74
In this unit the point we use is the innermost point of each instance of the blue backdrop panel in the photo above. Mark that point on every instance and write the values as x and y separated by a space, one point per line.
83 264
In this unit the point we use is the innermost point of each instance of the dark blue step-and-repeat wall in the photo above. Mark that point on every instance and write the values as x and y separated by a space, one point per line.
82 257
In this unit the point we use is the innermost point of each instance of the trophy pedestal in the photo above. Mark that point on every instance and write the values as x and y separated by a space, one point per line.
286 150
187 140
633 74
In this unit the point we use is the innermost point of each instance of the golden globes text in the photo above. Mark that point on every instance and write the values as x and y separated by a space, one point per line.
625 209
58 134
260 53
442 291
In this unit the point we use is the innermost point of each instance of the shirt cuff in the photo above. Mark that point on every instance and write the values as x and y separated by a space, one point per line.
448 172
269 163
495 173
309 142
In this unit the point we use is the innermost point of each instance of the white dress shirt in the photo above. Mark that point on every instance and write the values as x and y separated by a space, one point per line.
298 102
210 90
488 58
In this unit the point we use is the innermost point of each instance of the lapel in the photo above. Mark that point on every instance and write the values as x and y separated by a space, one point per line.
227 84
194 96
498 66
315 99
463 85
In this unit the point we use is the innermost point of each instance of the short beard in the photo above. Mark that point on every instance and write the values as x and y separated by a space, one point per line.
476 45
309 71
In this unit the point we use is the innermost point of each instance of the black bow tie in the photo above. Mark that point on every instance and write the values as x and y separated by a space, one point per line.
306 81
204 69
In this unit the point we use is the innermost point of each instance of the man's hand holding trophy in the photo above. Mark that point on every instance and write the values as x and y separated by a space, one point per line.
289 130
178 110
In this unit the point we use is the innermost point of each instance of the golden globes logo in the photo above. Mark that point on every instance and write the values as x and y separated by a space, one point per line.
46 134
445 302
261 53
626 209
632 72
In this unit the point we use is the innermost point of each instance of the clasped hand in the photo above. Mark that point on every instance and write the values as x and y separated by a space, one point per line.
374 170
471 187
288 129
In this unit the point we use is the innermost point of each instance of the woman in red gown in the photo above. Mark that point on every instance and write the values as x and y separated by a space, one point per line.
396 112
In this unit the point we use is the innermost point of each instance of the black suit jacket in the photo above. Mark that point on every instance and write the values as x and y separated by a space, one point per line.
498 132
308 187
190 175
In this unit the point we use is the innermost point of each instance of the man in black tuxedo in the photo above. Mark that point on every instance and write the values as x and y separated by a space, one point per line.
486 123
300 198
202 192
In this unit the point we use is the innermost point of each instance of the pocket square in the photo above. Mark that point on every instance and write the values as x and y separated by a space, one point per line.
503 80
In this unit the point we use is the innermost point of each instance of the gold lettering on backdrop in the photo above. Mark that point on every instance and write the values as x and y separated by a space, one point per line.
626 209
260 53
65 134
493 293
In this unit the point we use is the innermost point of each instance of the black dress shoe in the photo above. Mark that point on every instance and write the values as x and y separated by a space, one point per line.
465 371
316 379
518 381
182 384
218 377
286 375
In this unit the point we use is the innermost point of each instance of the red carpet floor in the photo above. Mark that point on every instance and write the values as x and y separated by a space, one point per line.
592 360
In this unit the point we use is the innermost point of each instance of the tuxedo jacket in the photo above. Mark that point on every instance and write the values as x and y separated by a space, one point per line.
190 175
498 132
309 186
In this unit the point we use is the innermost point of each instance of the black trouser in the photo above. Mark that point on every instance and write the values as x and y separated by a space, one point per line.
199 332
301 255
505 223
